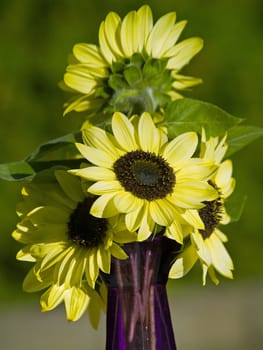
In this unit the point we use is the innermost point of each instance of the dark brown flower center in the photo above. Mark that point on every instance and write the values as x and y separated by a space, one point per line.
83 228
211 215
145 174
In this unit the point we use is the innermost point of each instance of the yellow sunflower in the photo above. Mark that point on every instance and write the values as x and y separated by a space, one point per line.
207 242
68 245
134 68
139 173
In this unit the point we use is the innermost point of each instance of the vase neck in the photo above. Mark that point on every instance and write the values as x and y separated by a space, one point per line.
148 263
138 316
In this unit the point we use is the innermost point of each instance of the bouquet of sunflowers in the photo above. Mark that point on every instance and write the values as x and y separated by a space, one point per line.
148 165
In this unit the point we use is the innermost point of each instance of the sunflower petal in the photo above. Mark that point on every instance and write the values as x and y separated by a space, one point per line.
181 148
149 135
95 156
129 41
183 263
89 54
118 252
52 297
104 206
159 35
143 27
76 302
123 131
182 53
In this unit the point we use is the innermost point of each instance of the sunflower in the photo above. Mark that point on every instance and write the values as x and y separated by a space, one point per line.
207 243
138 173
68 245
136 66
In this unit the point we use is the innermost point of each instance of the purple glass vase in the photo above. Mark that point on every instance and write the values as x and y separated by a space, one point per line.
138 315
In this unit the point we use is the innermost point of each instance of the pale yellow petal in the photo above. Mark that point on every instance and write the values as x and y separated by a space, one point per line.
64 269
54 255
129 41
104 187
76 303
144 24
96 156
112 27
220 235
146 227
103 259
221 260
183 263
183 82
173 36
182 53
123 131
159 35
107 53
99 138
190 171
162 212
223 178
89 54
174 231
134 218
190 195
52 297
118 252
149 135
25 255
104 206
126 202
193 218
83 84
212 275
181 148
97 174
92 268
203 250
79 268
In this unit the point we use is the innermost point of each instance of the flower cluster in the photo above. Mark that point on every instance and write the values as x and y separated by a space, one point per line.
136 66
137 177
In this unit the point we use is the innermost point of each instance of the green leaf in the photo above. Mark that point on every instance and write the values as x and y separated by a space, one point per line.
58 152
16 171
240 136
192 115
59 148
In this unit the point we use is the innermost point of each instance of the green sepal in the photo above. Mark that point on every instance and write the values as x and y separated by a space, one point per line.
153 67
137 60
133 75
57 152
117 82
118 66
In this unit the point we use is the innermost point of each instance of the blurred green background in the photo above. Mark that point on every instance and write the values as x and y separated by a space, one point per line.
36 38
